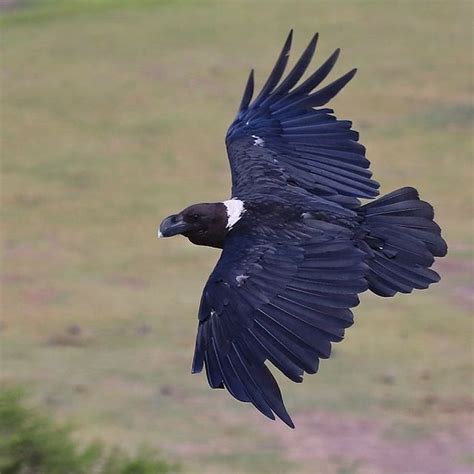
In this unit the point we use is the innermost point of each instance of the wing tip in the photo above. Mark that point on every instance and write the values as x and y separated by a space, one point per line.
248 92
286 418
313 42
287 46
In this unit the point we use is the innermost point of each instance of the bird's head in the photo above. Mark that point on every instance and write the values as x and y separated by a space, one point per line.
203 224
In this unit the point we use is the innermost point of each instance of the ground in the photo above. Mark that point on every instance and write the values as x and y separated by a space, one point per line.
113 116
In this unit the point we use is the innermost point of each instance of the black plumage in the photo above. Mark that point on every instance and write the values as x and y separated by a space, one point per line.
298 246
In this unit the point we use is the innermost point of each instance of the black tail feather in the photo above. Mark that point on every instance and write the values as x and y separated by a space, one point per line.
401 240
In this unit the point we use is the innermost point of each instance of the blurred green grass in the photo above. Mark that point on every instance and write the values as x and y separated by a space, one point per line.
113 116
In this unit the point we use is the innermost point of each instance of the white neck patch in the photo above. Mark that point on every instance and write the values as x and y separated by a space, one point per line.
235 209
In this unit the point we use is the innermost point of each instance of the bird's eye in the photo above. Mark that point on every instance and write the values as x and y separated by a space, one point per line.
195 217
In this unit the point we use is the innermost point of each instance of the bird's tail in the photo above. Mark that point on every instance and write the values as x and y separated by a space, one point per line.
401 240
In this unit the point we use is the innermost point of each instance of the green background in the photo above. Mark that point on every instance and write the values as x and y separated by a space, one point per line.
113 116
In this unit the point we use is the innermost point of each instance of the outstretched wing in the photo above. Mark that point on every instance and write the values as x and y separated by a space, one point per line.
279 299
283 136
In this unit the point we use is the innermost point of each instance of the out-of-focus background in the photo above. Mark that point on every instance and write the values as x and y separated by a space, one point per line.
113 116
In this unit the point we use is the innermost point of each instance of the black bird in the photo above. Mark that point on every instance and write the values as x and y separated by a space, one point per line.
297 245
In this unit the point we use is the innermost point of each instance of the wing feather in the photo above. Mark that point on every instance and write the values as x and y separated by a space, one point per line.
284 137
277 71
283 302
299 69
248 92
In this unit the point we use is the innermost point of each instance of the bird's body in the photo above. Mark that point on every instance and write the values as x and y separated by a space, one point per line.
297 245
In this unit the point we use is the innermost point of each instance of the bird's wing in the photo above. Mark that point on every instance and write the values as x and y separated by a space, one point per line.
280 299
284 136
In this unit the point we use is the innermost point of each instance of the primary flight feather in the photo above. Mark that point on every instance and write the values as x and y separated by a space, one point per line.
297 245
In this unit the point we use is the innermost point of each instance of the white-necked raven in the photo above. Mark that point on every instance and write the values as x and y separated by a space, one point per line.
297 245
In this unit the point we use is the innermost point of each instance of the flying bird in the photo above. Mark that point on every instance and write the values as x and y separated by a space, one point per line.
297 245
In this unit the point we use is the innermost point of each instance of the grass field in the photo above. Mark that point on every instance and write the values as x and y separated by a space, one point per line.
113 116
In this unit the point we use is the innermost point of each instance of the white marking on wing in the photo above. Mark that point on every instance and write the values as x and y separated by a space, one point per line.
258 141
240 279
